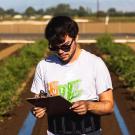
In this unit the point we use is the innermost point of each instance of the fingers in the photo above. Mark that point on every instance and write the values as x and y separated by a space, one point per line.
38 112
75 105
80 107
80 111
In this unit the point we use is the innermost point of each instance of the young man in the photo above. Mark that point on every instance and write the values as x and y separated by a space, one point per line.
77 75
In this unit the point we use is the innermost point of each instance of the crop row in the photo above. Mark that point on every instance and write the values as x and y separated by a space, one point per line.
120 58
14 71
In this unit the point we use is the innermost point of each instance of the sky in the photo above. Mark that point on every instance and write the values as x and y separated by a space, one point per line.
21 5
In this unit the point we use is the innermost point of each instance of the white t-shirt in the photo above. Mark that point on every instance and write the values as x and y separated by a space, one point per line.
83 79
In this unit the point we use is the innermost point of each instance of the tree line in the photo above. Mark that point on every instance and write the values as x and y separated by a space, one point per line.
65 9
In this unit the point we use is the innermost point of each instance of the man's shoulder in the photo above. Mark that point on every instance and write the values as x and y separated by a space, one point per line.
90 55
92 59
49 59
52 59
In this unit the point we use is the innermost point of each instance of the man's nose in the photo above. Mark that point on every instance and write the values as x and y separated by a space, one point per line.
60 51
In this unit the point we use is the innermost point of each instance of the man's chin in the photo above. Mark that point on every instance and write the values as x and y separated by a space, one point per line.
65 60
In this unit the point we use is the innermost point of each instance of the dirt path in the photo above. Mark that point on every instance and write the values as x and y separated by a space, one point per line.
4 46
132 45
8 51
14 119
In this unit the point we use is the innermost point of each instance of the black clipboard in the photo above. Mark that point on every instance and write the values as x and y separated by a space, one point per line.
56 105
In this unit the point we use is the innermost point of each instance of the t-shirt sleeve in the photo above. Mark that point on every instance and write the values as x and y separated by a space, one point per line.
38 81
103 79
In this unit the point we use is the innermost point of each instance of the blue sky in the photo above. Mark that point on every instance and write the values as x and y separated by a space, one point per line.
21 5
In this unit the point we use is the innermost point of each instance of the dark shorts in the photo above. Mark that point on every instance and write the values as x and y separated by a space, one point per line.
98 132
73 124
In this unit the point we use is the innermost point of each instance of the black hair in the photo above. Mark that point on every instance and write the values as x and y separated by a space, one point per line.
59 27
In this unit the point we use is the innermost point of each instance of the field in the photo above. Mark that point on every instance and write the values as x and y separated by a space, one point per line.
121 95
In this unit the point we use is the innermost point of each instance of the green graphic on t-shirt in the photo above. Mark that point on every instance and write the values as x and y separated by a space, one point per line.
70 90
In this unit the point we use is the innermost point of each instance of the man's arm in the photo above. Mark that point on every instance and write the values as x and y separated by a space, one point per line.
105 104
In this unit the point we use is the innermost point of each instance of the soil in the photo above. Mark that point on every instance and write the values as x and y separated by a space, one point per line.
14 119
4 46
132 45
9 50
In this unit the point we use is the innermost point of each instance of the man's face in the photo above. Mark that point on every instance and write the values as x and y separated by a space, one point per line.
64 50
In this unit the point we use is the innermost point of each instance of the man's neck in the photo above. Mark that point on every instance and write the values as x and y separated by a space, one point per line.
76 55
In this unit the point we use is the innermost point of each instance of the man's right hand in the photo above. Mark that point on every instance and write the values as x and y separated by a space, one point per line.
38 112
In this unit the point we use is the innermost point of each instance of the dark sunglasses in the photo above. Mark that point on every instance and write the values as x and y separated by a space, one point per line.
64 47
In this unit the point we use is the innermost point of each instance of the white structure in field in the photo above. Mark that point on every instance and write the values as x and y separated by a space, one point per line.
18 17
